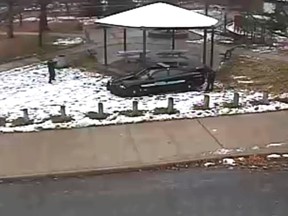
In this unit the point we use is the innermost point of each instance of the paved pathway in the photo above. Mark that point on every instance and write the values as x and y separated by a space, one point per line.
136 145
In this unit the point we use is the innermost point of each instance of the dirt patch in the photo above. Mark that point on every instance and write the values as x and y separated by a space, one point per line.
89 63
243 72
26 45
61 27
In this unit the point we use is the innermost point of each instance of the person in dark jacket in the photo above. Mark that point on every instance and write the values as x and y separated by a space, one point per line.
51 70
211 75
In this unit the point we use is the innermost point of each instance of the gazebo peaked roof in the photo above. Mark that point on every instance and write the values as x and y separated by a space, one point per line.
159 15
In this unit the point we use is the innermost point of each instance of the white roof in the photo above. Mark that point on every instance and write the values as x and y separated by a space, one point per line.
159 15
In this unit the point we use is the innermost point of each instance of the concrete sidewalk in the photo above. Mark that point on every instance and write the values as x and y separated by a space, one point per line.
137 145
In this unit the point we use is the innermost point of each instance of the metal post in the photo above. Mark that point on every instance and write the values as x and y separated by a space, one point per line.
105 46
206 8
25 114
125 39
62 111
212 48
236 99
204 47
225 21
100 108
173 39
144 46
170 107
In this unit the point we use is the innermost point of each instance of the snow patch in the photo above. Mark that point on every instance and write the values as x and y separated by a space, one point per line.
239 77
255 148
273 156
229 161
68 41
275 145
245 81
223 151
285 155
208 164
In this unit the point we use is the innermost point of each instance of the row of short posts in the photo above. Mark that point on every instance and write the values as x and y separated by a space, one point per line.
235 102
135 110
170 107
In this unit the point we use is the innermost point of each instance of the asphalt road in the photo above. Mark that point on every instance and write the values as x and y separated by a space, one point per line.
189 192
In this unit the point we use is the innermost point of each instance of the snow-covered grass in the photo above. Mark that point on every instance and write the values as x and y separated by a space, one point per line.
68 41
80 92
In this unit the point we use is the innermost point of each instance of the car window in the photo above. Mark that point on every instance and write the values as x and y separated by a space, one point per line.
173 72
159 74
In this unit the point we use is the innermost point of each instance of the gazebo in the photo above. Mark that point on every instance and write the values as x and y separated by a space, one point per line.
162 16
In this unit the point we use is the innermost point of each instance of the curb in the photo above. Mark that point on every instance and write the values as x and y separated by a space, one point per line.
198 159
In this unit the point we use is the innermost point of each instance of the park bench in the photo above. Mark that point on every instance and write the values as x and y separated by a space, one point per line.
131 55
172 62
172 53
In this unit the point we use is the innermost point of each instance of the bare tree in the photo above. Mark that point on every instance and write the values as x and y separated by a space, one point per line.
43 22
43 14
10 18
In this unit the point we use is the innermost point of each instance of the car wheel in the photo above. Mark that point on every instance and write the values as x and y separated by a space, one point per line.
135 91
189 85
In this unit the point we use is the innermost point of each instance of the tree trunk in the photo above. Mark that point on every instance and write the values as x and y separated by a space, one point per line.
10 27
40 31
43 15
20 19
67 8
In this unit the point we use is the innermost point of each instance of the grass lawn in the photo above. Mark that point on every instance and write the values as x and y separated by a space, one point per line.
255 74
26 45
66 27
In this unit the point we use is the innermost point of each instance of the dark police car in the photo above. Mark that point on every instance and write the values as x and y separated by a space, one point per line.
160 79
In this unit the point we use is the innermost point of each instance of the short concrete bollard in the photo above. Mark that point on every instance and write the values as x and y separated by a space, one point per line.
100 109
25 114
62 111
2 121
265 98
206 101
170 108
236 99
135 107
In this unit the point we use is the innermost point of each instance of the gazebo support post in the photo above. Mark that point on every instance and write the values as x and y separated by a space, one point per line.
205 37
212 48
124 39
105 46
144 46
204 47
225 21
173 39
206 8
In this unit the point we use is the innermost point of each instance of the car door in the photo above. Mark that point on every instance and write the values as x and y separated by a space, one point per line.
162 81
176 80
155 81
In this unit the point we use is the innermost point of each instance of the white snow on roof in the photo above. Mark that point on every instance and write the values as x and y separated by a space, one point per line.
159 15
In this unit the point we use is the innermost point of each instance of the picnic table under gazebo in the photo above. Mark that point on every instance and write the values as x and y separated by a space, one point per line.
163 16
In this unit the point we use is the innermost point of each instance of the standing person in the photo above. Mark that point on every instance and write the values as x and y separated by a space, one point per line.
51 70
211 79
